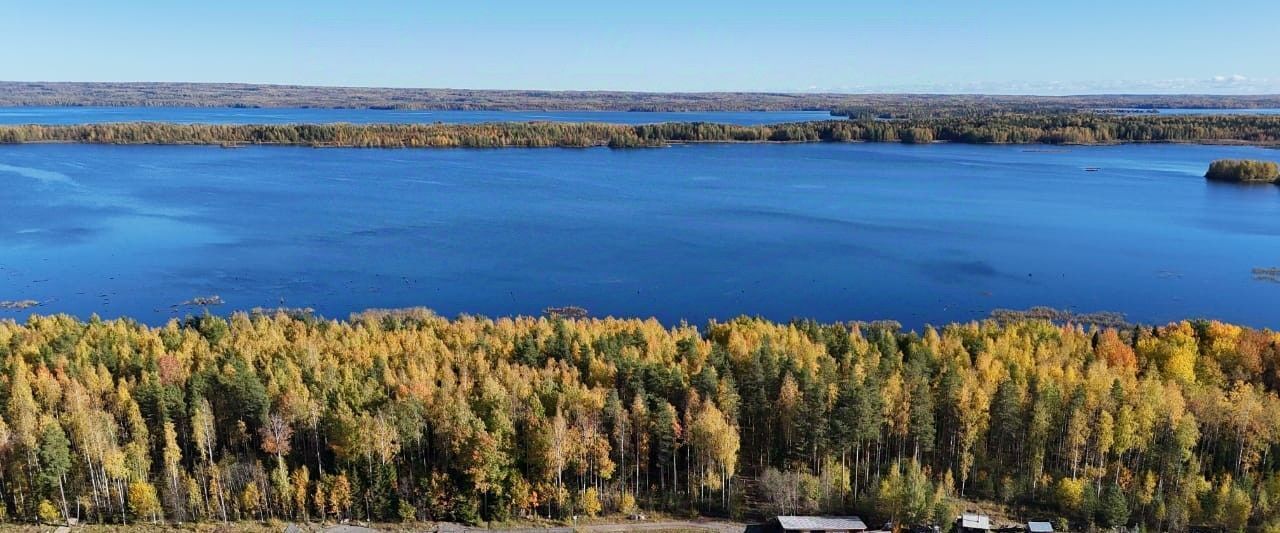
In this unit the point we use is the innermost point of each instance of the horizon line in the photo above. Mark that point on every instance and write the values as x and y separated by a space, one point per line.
797 92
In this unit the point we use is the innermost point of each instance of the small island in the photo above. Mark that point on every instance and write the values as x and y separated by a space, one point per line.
1243 171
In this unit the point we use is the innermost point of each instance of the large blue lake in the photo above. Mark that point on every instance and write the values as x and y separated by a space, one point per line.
832 231
226 115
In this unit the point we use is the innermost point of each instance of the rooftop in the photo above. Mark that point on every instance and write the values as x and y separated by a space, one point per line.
822 523
975 521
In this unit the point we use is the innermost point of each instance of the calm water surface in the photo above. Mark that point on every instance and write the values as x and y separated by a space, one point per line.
832 231
223 115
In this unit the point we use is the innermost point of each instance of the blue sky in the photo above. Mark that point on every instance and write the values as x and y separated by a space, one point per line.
1026 46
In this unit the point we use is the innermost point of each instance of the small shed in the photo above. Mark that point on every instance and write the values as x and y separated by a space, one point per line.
824 524
973 522
1039 527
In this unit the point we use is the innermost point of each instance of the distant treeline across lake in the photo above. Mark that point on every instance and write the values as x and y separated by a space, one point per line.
67 115
1000 129
239 95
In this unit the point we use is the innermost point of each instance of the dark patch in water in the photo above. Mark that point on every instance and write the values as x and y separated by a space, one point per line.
809 220
395 231
961 270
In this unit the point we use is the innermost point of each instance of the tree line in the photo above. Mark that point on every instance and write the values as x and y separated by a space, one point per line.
1002 129
405 415
170 94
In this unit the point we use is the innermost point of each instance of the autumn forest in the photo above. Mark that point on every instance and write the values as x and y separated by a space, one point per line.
1086 128
405 415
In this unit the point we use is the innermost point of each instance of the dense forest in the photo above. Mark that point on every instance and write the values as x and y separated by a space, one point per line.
404 415
1013 129
1244 171
894 105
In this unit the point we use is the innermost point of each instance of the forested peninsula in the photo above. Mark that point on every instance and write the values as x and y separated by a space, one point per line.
405 415
996 129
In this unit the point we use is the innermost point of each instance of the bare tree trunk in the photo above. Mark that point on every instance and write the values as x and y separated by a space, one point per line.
63 493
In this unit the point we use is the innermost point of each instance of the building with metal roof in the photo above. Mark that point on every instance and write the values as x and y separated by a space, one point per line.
826 524
973 522
1039 527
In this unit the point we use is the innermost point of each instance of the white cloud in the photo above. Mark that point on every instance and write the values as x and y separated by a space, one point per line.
1231 78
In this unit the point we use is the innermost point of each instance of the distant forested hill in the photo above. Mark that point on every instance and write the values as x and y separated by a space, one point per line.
897 105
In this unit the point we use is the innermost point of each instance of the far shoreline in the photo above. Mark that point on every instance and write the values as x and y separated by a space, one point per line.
1055 130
